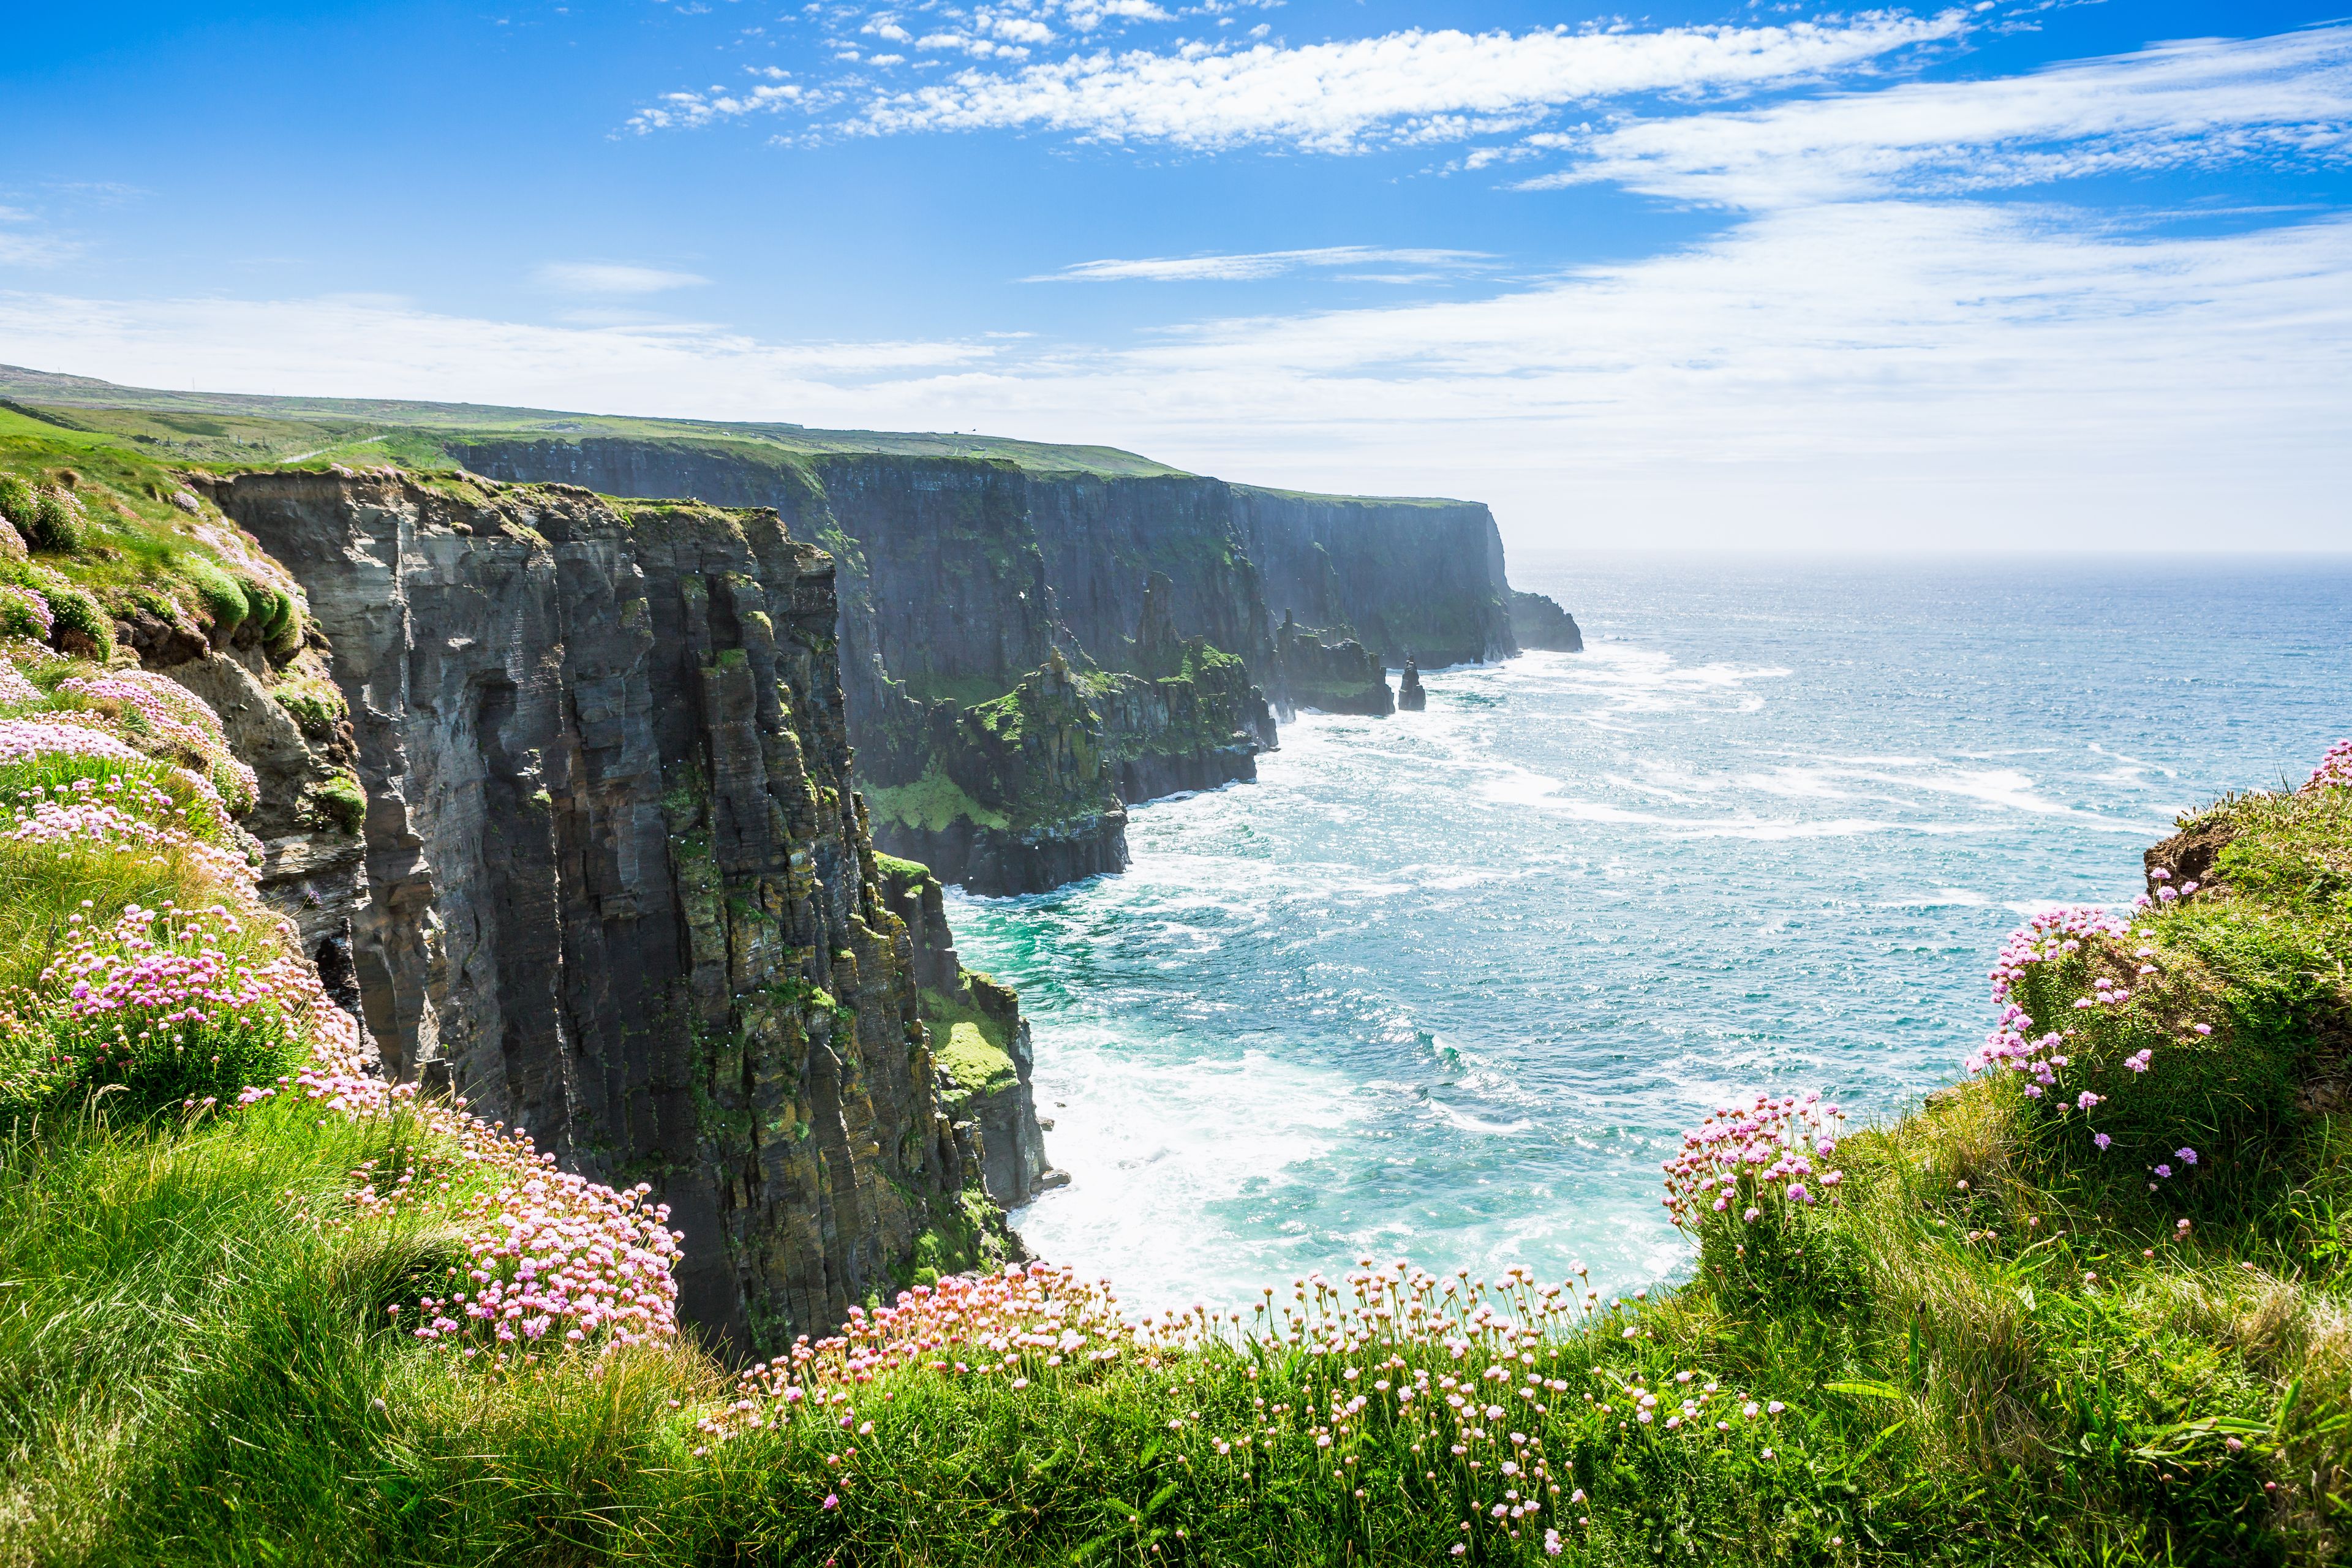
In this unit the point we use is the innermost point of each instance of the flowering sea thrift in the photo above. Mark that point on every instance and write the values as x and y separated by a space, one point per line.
1477 1379
24 613
2334 769
1759 1158
176 719
126 816
216 1002
166 1002
22 740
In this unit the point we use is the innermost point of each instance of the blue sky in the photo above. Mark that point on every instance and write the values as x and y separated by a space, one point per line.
2030 273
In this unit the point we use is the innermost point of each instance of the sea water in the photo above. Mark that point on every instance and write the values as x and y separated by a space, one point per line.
1449 985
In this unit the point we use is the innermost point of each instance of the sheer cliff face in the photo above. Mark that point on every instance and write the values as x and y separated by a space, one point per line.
963 578
618 890
1405 576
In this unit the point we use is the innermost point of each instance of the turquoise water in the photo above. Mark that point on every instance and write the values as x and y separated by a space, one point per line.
1449 985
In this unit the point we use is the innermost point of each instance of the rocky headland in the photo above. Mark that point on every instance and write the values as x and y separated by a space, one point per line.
1030 647
626 820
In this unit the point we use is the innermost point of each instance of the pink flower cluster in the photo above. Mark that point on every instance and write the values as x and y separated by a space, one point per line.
992 1325
1472 1373
177 718
2333 769
2078 935
23 613
161 969
558 1259
2048 937
127 816
22 740
1755 1158
171 708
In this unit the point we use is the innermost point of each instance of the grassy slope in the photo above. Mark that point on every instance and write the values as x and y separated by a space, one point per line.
196 1365
350 428
196 426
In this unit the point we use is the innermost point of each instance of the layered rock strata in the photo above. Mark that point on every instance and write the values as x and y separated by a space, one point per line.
618 889
961 576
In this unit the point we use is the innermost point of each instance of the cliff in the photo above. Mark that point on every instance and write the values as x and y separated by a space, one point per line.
1397 575
963 562
617 888
1539 622
961 575
1342 676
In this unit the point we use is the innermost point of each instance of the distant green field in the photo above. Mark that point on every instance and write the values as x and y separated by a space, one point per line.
216 426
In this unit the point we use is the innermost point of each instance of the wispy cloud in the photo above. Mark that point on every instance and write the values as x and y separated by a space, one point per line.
1259 264
2206 102
603 278
1400 88
25 241
1840 374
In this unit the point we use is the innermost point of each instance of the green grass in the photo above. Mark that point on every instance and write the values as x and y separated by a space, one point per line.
1991 1349
970 1045
931 803
242 429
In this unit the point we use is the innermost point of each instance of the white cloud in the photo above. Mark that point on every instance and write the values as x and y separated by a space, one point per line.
337 345
1885 374
2205 102
606 277
1406 87
1019 29
1087 15
1863 357
1254 265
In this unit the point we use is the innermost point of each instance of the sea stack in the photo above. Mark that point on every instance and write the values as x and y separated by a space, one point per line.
1411 698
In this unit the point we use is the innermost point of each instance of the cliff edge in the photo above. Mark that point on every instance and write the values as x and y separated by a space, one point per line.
618 887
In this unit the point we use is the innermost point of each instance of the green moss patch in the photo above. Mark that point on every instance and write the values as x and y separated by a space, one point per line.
968 1045
931 803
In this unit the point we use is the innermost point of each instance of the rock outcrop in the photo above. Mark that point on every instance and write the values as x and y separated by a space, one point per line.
981 1044
618 889
1539 622
1018 795
1337 675
1410 697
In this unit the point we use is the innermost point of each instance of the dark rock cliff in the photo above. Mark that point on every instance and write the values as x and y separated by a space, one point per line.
1337 675
1539 622
617 889
1394 574
963 577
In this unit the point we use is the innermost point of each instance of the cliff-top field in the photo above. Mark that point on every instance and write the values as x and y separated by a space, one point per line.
255 1307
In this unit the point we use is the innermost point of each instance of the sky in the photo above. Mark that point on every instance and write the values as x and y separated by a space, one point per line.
2064 275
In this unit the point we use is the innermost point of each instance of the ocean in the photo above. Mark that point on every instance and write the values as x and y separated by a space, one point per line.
1449 985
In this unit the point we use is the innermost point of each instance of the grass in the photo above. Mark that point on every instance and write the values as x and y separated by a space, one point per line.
245 428
1994 1344
969 1045
931 803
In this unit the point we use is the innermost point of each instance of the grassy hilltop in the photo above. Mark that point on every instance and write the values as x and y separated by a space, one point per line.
251 429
